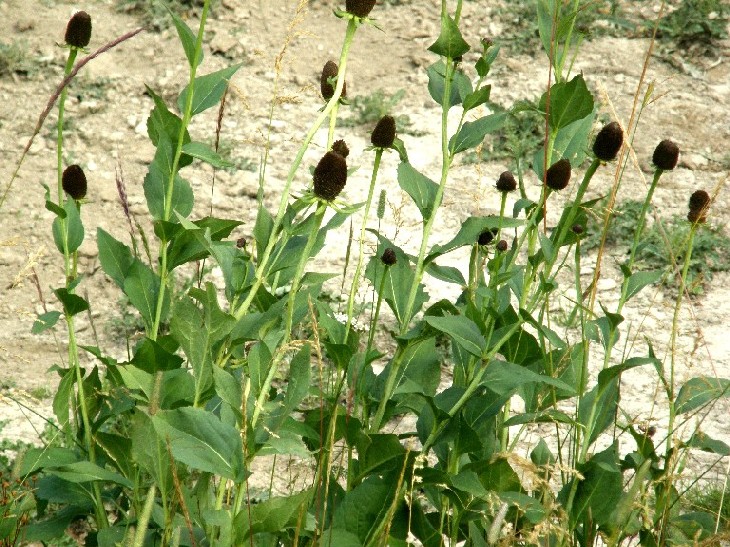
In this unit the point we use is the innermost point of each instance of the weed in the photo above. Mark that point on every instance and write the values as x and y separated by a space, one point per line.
711 249
227 151
154 12
40 393
369 109
14 59
696 24
712 499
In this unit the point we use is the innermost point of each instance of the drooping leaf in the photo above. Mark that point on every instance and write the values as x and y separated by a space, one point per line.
45 321
462 330
472 134
205 153
699 391
74 228
114 256
421 189
87 472
199 439
460 85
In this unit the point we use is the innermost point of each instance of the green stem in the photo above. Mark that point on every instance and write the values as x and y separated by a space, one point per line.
63 223
167 209
144 519
260 274
371 338
361 249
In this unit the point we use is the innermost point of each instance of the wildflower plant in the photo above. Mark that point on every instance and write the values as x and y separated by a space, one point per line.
159 448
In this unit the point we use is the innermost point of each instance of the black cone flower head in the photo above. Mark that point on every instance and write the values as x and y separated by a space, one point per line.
384 133
78 30
699 200
506 182
361 8
389 258
330 176
666 155
341 148
502 245
558 175
696 216
487 236
608 142
74 182
330 70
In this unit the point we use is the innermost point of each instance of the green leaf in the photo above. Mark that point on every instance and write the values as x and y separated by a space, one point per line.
163 124
610 373
364 506
460 85
187 38
273 515
398 282
152 357
603 401
72 303
87 472
141 286
469 233
297 388
378 453
74 228
699 391
156 182
199 439
639 280
602 488
450 43
472 134
503 378
114 256
569 102
704 442
463 330
421 188
477 98
45 321
207 90
205 153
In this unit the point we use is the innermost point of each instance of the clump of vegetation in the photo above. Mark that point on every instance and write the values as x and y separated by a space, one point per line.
14 59
696 23
368 109
232 367
156 14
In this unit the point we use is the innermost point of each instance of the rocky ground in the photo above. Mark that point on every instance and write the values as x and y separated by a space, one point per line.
106 120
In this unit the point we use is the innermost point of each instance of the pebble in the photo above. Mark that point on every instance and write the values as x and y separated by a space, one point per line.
606 284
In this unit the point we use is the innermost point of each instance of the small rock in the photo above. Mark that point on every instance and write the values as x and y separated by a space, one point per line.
619 78
24 25
223 43
141 128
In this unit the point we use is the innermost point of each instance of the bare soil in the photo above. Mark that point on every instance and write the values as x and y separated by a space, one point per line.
106 116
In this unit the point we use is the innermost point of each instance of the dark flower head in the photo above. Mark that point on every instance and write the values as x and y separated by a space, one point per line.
502 245
74 182
241 242
78 30
330 70
341 148
360 8
577 229
608 142
330 176
384 133
666 155
506 182
558 175
389 258
487 236
699 201
696 216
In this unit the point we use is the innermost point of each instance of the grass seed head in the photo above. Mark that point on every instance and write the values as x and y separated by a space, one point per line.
506 182
330 70
74 182
558 175
360 8
384 133
330 176
340 147
666 155
389 258
608 142
78 30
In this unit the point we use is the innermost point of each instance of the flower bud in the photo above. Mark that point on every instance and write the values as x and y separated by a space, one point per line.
360 8
506 182
330 176
384 133
330 70
577 229
558 175
608 142
389 258
73 181
666 155
340 147
241 242
78 30
502 245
